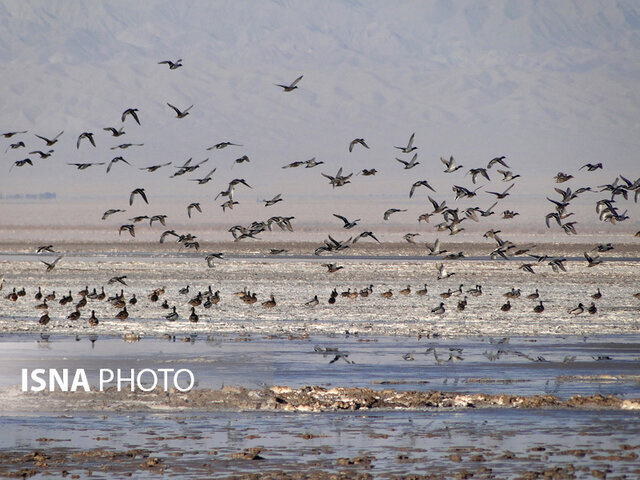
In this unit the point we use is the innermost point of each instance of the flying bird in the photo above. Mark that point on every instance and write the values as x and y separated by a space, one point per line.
52 265
420 183
153 168
273 201
11 134
110 212
114 132
205 179
138 191
499 160
87 135
84 166
42 154
222 145
172 65
391 211
591 167
180 113
347 224
132 112
409 165
116 160
356 141
127 228
15 146
504 194
409 148
292 86
191 206
127 145
450 164
21 163
50 142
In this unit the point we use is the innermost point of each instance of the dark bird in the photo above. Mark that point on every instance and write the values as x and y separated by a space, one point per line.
84 166
273 201
577 310
128 227
127 145
369 172
50 142
507 175
15 146
332 267
222 145
153 168
295 164
592 261
450 164
499 160
504 194
118 279
391 211
478 171
355 141
191 206
562 177
205 179
11 134
87 135
591 167
420 183
409 148
292 86
159 218
52 265
242 159
132 112
138 191
21 163
366 234
172 65
115 132
180 113
347 224
42 154
409 165
116 160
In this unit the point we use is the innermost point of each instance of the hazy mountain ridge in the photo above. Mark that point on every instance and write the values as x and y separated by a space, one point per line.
550 84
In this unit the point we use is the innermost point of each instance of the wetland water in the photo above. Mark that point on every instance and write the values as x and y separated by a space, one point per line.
388 346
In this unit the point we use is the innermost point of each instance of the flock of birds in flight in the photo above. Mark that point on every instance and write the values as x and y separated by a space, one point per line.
452 218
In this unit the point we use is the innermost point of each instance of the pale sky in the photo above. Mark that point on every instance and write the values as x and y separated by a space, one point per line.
550 85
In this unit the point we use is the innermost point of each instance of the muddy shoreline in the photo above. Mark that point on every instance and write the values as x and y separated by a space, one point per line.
308 399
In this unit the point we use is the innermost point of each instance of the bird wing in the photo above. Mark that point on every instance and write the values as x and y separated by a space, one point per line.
178 112
293 84
341 218
410 144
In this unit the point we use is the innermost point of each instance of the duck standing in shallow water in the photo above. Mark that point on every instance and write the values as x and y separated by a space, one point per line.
173 316
93 320
193 318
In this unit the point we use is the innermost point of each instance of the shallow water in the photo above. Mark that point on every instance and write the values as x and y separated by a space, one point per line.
295 281
562 366
193 445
